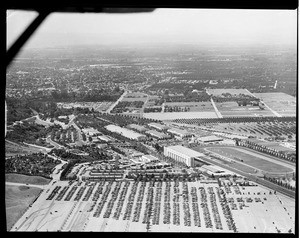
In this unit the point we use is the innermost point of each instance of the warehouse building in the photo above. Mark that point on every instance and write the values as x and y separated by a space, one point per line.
178 132
137 127
149 158
157 135
158 126
208 139
215 171
182 154
125 132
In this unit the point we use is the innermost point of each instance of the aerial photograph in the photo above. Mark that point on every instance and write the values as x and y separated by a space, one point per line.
152 120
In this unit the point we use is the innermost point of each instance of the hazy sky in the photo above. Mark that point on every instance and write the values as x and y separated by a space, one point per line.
203 26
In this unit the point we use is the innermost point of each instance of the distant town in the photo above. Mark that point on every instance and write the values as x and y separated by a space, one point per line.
157 140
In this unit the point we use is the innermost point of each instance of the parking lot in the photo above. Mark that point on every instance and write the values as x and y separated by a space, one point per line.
141 206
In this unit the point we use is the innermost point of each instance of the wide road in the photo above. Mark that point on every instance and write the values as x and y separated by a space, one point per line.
113 105
260 181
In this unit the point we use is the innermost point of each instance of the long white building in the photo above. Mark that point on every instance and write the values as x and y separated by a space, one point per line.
158 126
125 132
182 154
156 134
179 132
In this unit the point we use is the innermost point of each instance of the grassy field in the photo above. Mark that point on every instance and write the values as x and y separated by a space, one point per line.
19 178
17 200
13 149
248 159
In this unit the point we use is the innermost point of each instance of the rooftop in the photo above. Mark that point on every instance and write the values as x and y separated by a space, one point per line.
178 131
185 150
125 132
210 138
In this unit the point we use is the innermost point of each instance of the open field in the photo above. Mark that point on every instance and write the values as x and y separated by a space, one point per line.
179 115
12 149
282 103
174 207
20 178
252 159
17 200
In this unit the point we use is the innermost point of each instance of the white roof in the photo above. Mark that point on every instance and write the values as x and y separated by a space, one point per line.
150 157
185 150
156 133
210 138
105 138
125 132
137 127
157 125
178 131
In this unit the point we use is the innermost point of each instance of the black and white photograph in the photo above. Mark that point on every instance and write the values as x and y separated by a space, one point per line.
151 120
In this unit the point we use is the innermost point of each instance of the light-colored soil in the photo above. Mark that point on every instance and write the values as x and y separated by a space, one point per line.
19 178
17 200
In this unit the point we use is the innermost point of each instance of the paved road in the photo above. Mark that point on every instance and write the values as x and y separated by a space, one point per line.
144 105
113 105
216 109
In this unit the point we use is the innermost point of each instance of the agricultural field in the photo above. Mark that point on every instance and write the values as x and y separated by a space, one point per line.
260 130
17 201
254 160
281 103
188 106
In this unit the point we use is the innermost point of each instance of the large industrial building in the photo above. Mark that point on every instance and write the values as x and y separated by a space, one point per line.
178 132
125 132
158 126
137 127
209 139
157 135
149 158
182 154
